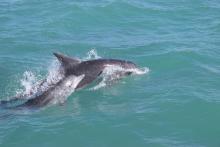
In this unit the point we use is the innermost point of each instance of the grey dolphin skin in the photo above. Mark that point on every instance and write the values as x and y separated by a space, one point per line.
92 68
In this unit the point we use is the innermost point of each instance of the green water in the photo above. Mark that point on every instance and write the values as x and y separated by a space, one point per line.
176 104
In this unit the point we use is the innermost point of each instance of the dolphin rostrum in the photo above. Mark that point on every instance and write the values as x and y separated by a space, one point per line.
93 68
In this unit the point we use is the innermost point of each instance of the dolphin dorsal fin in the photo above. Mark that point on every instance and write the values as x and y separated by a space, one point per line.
65 60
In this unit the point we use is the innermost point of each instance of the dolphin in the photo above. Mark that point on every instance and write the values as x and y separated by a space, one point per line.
94 68
57 94
77 74
54 95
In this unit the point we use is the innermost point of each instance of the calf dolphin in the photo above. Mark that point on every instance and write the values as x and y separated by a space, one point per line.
54 95
93 68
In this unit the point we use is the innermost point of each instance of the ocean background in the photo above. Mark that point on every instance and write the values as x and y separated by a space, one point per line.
177 103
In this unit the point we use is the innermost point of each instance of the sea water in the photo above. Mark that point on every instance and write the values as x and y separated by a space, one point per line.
176 103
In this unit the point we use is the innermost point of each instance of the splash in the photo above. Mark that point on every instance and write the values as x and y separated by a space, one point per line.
28 82
33 85
92 54
55 74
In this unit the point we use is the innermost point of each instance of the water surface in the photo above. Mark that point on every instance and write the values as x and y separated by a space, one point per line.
176 104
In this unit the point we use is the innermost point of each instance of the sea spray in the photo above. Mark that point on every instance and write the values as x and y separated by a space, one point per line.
32 85
92 54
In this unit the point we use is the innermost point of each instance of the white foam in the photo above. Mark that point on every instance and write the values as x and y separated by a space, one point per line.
55 74
28 81
140 71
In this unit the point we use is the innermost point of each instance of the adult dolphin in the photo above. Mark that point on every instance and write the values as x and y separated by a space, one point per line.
93 68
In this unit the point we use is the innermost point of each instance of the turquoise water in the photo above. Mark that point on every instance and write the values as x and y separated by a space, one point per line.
176 104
